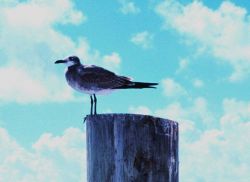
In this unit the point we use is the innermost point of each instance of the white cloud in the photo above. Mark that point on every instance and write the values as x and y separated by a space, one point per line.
183 64
47 12
143 39
53 158
139 110
20 87
128 7
92 56
222 32
172 89
235 112
30 44
112 61
198 83
15 79
226 148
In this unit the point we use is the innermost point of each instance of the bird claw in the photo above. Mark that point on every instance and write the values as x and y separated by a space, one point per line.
84 120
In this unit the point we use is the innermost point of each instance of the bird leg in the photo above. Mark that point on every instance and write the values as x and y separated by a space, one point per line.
91 107
95 103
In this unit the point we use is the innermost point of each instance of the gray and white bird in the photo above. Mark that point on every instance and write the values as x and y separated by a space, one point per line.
96 80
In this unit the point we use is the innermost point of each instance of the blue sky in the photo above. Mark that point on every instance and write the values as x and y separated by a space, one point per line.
199 52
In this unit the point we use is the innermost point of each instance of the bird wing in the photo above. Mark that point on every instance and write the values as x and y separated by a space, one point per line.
102 78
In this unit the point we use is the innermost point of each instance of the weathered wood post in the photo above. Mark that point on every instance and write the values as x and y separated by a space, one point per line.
131 148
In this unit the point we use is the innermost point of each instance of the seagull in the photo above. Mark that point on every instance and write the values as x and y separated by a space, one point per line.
92 80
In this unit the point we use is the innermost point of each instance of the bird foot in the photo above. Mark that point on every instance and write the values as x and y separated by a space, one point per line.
84 119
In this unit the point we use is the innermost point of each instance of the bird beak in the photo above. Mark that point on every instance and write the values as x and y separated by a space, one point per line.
60 61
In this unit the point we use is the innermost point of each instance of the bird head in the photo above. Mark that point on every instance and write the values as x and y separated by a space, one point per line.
70 61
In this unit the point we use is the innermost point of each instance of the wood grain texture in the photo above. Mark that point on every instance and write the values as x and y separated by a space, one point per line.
131 148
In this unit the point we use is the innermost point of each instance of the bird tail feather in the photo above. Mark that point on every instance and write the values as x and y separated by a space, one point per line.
138 85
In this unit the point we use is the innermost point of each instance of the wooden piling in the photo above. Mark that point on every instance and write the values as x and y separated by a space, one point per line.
131 148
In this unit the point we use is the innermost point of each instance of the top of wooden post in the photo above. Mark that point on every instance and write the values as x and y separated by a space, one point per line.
122 116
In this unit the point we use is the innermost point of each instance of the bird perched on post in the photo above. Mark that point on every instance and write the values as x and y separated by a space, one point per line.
96 80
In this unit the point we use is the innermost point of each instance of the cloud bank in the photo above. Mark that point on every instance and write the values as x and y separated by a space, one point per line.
30 43
223 32
52 158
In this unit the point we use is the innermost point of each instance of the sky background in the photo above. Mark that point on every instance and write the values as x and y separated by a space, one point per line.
199 52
